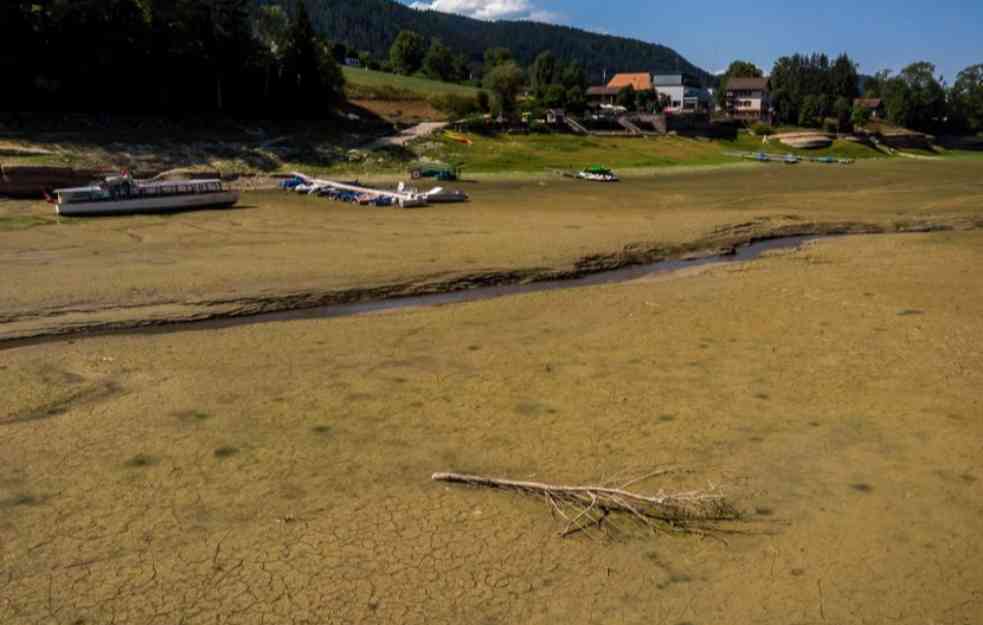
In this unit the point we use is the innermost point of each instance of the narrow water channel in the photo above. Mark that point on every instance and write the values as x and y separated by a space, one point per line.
636 272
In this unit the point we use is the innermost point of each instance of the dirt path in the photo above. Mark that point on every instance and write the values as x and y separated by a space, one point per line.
415 132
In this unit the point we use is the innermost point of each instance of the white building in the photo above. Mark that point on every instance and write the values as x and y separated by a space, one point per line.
685 93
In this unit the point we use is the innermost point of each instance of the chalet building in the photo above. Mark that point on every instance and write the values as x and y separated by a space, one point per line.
684 93
748 99
600 96
874 105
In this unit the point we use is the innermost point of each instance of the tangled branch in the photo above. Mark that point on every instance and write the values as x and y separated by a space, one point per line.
583 507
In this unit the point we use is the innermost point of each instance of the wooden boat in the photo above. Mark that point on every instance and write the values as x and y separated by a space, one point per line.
124 195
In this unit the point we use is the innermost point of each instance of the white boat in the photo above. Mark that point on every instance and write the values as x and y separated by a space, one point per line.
404 196
597 174
124 195
439 195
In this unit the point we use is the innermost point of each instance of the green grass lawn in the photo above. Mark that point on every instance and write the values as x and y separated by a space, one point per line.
367 84
527 153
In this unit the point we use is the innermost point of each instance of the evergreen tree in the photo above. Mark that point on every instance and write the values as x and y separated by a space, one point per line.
313 78
844 80
543 73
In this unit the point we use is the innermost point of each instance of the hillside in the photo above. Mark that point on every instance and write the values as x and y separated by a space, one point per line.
372 25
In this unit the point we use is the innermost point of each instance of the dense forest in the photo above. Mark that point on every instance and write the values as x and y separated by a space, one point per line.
373 25
165 56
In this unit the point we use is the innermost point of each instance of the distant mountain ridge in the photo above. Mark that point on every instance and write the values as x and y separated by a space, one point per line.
372 25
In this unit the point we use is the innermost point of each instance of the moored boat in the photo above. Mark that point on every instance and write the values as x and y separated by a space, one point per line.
124 195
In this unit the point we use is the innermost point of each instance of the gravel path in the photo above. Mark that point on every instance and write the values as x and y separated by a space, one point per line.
404 137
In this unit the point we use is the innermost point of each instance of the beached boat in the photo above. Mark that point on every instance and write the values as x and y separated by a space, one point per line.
440 195
597 174
124 195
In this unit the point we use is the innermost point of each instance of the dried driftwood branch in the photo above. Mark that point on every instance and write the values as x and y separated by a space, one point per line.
588 506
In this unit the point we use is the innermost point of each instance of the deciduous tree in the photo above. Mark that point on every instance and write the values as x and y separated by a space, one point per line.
407 52
505 81
967 98
439 62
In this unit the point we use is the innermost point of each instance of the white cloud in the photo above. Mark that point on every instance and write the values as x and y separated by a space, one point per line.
490 9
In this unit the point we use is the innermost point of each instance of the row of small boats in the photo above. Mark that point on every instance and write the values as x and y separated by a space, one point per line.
356 193
789 159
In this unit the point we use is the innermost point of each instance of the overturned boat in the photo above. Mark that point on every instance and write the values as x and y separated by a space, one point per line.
124 195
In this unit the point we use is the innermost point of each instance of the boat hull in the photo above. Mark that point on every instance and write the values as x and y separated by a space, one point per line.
160 204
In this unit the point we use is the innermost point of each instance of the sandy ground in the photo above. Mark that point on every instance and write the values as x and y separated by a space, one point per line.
282 250
279 473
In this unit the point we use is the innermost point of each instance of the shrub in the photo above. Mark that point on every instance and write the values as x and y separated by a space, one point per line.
762 129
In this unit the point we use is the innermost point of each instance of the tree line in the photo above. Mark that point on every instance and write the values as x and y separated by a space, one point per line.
812 91
373 25
166 56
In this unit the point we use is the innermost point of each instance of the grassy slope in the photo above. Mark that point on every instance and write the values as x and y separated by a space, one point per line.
368 84
537 152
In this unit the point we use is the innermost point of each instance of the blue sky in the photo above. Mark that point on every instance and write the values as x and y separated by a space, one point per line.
876 33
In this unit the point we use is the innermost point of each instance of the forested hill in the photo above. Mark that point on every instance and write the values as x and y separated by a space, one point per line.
372 25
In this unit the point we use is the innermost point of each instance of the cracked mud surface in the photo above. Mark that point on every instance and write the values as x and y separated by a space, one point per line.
280 251
836 392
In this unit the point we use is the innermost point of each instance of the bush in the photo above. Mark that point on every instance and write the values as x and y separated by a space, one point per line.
831 126
456 106
762 129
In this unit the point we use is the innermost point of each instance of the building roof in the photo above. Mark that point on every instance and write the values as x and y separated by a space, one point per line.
641 82
603 90
747 84
869 103
668 80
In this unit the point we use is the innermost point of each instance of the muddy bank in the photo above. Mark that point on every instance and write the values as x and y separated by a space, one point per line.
20 329
31 182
